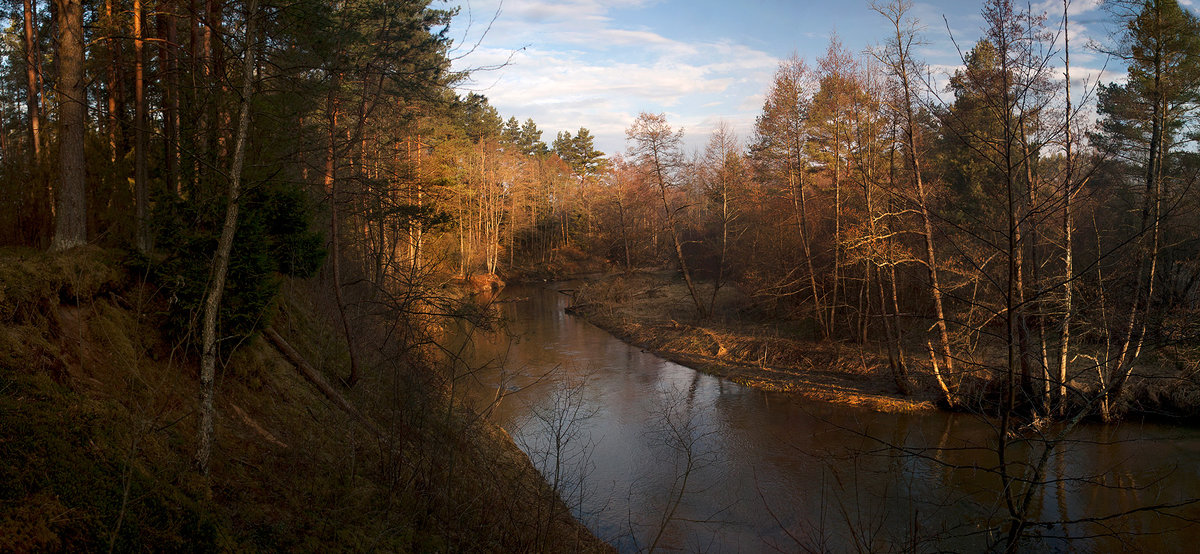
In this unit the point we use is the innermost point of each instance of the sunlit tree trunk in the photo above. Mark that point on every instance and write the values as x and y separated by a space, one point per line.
33 89
141 196
417 226
901 65
113 90
1068 226
333 107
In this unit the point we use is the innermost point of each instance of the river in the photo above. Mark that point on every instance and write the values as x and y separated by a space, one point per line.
650 454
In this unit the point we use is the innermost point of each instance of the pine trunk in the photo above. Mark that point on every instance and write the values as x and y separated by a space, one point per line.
32 102
141 195
71 217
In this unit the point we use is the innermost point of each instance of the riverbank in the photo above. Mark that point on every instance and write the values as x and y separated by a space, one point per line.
654 311
98 430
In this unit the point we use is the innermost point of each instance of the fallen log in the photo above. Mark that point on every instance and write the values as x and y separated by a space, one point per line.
313 376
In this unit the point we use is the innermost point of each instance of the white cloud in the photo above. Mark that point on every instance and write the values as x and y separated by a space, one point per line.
573 63
567 65
1053 8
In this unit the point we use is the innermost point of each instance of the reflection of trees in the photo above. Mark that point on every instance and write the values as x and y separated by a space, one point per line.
930 482
686 447
554 435
709 464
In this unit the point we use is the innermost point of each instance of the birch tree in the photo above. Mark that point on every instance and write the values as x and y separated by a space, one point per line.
216 287
897 59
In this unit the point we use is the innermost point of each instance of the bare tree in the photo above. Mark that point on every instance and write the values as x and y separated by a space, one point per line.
216 286
1068 225
782 136
655 145
723 161
897 58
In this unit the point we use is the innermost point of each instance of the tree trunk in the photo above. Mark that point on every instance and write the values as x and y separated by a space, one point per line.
800 207
216 287
313 376
900 67
1067 228
220 116
837 221
32 70
71 217
890 330
4 146
1151 220
935 285
718 281
168 53
890 321
335 250
113 88
683 267
141 196
1035 325
624 232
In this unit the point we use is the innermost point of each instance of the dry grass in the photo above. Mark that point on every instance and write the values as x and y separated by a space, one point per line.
654 311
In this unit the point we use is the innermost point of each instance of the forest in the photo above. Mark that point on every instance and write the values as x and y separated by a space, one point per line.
1020 241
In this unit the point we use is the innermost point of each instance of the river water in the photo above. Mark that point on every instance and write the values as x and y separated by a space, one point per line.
652 455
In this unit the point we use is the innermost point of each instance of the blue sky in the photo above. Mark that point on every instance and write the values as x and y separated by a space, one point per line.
597 63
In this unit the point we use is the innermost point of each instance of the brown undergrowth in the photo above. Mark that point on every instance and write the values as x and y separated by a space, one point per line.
654 312
97 432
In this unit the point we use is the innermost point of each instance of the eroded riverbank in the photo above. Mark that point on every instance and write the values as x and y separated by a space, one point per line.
654 312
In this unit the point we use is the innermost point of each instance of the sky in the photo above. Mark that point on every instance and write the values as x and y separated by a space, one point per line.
598 63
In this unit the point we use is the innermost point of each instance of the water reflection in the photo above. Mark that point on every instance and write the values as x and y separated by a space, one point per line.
649 453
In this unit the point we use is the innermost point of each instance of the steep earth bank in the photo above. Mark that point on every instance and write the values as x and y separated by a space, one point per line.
98 429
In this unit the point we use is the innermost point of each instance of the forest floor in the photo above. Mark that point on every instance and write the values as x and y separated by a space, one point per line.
654 310
98 429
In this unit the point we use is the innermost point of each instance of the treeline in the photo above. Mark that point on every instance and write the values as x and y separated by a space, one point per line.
352 103
1037 260
224 145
